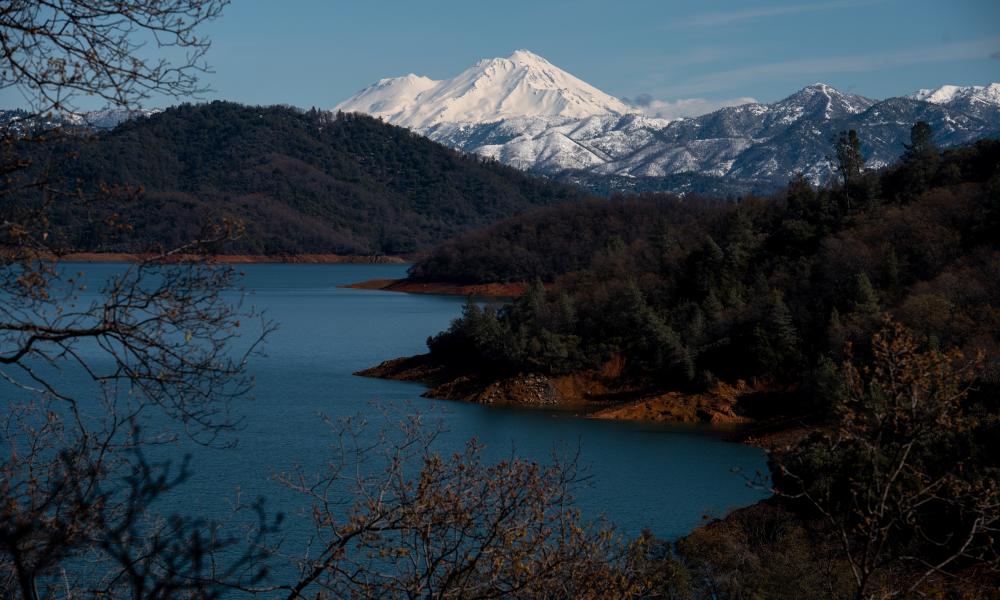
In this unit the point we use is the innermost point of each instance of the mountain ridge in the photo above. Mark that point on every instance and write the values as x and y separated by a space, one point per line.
525 112
748 146
520 85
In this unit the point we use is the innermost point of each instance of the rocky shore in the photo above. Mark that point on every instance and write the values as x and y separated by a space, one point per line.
603 393
486 290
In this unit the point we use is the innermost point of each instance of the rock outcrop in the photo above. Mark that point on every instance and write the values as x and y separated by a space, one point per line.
605 393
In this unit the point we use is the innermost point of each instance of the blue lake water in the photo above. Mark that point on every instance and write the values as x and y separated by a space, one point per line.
641 476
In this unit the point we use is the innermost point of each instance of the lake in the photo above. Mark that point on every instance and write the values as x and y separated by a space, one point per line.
665 478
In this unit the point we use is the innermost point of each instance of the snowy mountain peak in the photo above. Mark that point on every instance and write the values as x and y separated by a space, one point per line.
940 95
528 113
521 85
948 94
820 99
527 57
393 95
822 88
410 80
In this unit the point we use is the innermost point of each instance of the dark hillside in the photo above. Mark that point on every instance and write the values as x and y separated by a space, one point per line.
302 181
691 291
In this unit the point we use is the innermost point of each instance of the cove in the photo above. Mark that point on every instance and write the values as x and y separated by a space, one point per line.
664 478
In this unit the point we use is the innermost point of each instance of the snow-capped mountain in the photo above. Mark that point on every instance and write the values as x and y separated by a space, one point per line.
521 85
525 112
771 143
108 118
21 122
552 144
979 100
951 94
728 142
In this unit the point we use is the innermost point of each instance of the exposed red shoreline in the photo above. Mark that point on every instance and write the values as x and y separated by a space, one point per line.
491 290
238 258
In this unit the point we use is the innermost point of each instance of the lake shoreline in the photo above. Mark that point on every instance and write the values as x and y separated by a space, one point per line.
247 259
597 394
527 392
409 286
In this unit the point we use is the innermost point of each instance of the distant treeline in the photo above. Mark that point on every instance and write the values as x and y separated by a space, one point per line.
695 290
300 181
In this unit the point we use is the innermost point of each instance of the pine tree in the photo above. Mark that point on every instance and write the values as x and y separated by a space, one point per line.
836 333
850 164
775 338
864 301
920 159
712 306
849 159
921 146
708 266
891 268
800 197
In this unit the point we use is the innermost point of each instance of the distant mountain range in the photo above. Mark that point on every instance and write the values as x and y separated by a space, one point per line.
525 112
22 122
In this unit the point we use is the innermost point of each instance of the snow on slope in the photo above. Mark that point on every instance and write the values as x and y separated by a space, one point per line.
108 118
552 144
21 122
638 146
521 85
527 113
390 98
948 94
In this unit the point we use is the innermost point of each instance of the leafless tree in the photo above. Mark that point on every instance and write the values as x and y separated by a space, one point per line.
91 380
82 377
55 51
891 481
395 519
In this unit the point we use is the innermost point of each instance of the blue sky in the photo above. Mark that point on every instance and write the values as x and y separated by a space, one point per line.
319 52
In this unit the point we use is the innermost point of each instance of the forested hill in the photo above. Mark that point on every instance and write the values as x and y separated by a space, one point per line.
860 322
558 240
301 181
690 290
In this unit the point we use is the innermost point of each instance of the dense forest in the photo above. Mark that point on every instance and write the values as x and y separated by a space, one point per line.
692 290
300 181
870 310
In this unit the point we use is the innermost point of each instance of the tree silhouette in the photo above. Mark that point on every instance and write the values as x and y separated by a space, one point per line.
850 162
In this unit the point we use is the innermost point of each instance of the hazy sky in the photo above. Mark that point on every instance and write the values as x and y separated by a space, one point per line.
318 52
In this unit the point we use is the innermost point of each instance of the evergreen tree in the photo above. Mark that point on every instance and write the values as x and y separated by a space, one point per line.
708 264
836 334
920 159
864 300
891 270
850 162
800 197
712 306
921 146
775 338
